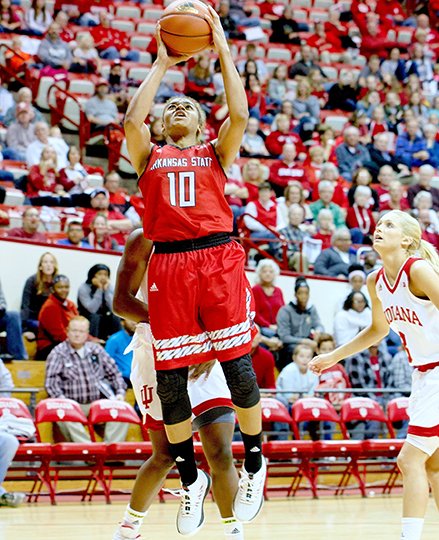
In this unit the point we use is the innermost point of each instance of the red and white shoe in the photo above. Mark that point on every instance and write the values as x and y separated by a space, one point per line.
126 531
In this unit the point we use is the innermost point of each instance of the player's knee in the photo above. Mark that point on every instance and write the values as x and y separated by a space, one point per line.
407 465
220 458
174 398
432 468
241 380
161 461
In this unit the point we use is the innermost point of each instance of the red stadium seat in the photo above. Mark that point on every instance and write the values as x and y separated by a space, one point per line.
274 411
66 410
364 409
378 458
397 410
313 410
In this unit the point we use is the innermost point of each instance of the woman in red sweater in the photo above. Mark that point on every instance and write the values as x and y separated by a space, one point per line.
268 298
55 316
43 177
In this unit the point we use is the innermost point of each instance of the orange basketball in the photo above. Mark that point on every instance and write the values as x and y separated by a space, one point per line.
184 29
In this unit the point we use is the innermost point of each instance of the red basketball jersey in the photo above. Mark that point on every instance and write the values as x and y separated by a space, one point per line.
183 189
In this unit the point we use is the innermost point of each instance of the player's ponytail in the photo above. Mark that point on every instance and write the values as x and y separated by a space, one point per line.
429 253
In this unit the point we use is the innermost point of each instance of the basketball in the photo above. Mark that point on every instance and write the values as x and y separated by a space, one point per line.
184 29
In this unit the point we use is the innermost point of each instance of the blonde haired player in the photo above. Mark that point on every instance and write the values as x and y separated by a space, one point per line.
405 297
210 399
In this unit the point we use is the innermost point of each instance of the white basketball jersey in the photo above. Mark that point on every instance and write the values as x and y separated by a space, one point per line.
414 319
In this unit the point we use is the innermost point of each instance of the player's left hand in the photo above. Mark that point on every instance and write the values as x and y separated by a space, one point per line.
218 35
195 372
162 52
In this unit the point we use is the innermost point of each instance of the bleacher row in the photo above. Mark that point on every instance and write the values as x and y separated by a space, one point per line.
48 463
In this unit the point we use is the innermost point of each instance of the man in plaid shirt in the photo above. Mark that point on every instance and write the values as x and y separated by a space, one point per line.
78 369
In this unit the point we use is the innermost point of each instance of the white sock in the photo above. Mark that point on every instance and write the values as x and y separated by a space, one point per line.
134 518
233 529
411 528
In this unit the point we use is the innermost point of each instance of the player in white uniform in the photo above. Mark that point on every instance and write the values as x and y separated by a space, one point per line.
210 399
405 297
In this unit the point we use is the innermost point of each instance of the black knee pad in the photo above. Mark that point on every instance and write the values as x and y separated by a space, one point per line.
174 398
241 380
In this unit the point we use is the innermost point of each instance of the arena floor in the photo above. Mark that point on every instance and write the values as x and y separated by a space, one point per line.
347 518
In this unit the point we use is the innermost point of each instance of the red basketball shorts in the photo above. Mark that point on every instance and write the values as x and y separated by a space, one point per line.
200 305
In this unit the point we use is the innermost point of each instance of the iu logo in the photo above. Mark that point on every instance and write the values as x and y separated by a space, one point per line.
147 396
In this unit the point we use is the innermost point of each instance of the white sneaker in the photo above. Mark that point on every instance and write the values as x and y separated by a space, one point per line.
126 531
12 498
250 495
190 516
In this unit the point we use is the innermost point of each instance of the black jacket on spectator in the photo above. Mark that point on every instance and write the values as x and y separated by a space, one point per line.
378 160
282 28
342 97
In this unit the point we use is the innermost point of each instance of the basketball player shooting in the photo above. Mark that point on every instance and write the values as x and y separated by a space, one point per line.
405 297
200 301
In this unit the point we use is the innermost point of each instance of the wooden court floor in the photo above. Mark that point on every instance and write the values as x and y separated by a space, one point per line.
347 518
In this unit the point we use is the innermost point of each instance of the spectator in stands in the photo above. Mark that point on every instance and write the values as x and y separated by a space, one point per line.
280 135
29 228
411 146
11 323
19 134
256 98
112 43
306 109
277 85
327 139
263 364
285 29
396 199
424 201
101 110
43 178
329 172
296 376
53 51
371 369
253 174
251 54
362 177
73 176
420 63
429 232
295 233
252 143
314 166
293 194
304 64
335 261
374 39
95 302
326 192
199 82
268 298
99 236
325 228
38 18
100 204
425 176
264 209
344 93
6 101
287 169
380 155
393 109
76 369
351 154
85 55
54 316
431 139
10 21
34 150
359 217
401 373
335 377
386 176
356 283
118 197
236 193
75 236
24 95
116 345
229 25
355 316
299 321
8 448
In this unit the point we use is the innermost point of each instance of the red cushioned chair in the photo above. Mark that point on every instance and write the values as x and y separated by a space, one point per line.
38 454
397 410
379 458
364 409
53 410
313 409
274 411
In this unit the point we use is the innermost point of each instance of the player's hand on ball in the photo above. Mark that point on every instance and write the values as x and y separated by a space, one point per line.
162 52
321 362
218 35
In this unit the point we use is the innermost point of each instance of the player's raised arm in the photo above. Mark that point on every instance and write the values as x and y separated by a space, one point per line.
232 130
130 273
375 332
136 131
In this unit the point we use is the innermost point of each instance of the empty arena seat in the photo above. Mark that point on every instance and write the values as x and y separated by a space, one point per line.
364 409
313 410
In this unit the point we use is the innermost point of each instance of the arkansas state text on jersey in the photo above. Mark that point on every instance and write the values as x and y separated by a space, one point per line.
416 320
183 189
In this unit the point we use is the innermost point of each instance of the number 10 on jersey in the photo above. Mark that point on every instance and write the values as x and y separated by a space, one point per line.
182 188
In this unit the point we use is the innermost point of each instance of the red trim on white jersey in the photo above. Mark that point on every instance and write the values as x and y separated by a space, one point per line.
432 431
